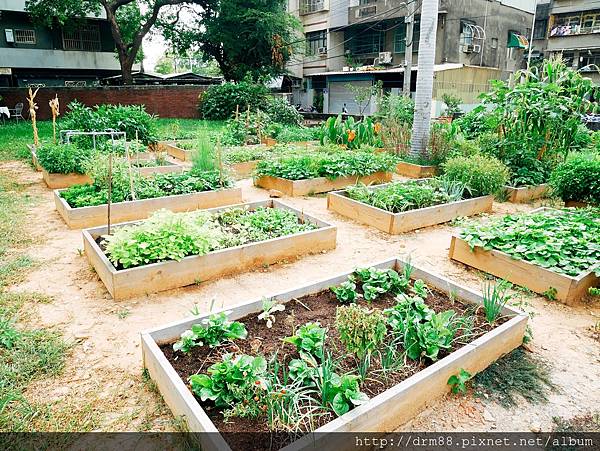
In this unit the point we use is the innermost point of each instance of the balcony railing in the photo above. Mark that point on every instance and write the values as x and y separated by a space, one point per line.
573 30
311 6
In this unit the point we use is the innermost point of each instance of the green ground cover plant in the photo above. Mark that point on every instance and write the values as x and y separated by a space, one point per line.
482 175
343 164
173 236
578 179
404 196
564 241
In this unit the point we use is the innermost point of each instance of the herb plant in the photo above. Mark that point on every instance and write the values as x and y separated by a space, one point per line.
495 297
63 158
361 330
578 179
482 175
563 241
211 332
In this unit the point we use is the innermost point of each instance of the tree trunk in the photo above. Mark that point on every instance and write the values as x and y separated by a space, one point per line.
126 69
423 97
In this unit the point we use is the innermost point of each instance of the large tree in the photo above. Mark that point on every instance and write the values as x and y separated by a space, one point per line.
256 37
130 20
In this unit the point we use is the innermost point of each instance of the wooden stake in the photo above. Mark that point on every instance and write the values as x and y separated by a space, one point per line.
55 108
128 157
237 112
220 161
109 190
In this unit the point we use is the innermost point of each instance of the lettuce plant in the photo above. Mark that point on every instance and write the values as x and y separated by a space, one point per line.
212 331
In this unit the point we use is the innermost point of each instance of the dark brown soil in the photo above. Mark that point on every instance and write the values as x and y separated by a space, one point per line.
319 307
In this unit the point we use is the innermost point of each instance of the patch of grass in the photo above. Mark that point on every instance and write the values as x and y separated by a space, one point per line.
11 272
588 422
519 373
25 355
15 137
122 314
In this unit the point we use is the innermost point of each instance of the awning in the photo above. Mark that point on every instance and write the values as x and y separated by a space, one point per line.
517 41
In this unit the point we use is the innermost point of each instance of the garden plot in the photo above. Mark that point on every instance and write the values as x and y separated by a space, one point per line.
313 173
214 243
182 150
524 194
416 171
401 207
317 337
552 252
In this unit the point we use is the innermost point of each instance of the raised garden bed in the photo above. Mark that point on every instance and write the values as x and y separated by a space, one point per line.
59 181
416 171
563 287
82 217
172 149
392 403
318 185
123 283
525 194
577 204
395 223
167 168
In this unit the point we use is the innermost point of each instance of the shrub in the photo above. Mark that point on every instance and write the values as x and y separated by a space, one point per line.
221 101
351 133
578 179
280 110
294 134
63 158
125 118
452 104
399 108
482 175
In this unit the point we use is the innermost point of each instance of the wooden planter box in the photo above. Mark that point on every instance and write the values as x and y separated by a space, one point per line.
78 218
525 194
383 413
268 142
395 223
166 169
568 289
244 169
59 181
175 274
171 148
577 204
416 171
318 185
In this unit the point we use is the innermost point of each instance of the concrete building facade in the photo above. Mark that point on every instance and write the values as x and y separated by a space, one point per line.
363 41
79 54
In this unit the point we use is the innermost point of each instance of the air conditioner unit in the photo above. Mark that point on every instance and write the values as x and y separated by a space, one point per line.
322 50
385 58
468 48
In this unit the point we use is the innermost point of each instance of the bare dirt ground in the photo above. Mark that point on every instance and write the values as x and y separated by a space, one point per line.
103 377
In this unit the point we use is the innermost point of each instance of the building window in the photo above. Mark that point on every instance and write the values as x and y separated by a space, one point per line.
466 32
311 6
590 60
368 11
494 44
540 29
400 37
361 41
85 38
590 23
366 2
25 37
316 41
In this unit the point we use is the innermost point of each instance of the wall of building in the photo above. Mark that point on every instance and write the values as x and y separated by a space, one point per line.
164 101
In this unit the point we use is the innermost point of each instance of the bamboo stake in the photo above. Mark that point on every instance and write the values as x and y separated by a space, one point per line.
128 157
109 189
32 108
55 107
220 161
237 112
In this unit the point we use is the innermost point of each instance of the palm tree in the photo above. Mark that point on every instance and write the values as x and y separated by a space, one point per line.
422 117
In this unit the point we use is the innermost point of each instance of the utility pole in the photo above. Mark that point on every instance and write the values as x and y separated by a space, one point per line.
532 34
408 48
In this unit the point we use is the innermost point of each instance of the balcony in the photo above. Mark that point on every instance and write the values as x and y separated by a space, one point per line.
58 59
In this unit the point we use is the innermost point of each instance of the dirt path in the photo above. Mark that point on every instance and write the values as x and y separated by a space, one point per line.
104 372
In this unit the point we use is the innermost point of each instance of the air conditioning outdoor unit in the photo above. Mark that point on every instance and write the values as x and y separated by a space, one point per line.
468 48
322 50
385 58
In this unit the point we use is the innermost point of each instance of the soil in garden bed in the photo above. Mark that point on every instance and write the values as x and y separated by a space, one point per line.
319 307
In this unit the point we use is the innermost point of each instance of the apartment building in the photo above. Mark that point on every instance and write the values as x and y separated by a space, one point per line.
79 54
573 31
363 41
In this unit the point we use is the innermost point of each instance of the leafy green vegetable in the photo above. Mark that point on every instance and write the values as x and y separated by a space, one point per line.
376 282
578 179
346 292
458 382
211 332
563 241
309 340
235 379
63 158
173 236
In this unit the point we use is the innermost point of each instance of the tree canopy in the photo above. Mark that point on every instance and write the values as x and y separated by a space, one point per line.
256 37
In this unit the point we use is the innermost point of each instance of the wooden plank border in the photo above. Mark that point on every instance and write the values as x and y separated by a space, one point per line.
60 181
383 413
569 289
176 152
162 276
416 171
396 223
525 194
318 185
82 217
